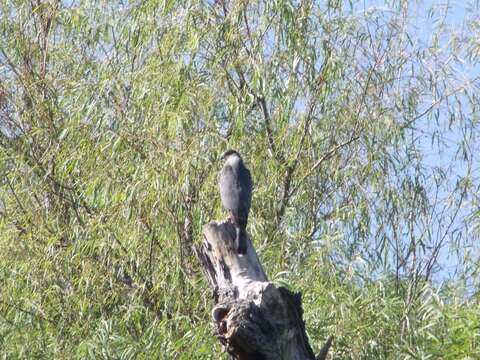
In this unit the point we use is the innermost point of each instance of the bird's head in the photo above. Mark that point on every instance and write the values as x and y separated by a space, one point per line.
229 153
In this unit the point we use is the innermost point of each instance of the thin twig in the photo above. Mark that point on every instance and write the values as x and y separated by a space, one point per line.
324 158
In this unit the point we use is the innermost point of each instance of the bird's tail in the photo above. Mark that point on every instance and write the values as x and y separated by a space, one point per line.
241 240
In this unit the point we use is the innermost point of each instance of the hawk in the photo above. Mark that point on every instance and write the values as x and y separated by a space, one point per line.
236 193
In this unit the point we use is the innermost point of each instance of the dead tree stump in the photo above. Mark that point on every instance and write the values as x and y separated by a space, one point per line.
254 319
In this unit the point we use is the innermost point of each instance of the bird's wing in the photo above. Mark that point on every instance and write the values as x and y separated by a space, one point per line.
229 189
246 187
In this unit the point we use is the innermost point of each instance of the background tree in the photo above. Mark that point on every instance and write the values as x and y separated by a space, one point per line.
359 123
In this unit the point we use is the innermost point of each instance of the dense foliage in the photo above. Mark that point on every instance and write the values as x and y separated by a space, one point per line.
360 131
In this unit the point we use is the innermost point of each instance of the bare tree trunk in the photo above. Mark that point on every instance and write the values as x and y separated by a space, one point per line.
253 318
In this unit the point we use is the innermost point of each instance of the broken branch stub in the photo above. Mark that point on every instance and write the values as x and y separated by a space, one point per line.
253 318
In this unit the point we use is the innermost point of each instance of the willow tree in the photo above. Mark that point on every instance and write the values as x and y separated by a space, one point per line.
113 117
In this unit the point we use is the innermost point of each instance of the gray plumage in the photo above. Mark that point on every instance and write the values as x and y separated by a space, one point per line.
236 193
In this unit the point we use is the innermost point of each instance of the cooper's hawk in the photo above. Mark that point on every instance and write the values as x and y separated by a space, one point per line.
236 193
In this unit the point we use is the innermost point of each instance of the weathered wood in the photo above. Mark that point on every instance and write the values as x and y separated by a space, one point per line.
253 318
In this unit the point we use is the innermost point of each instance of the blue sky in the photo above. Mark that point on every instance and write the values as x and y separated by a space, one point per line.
425 18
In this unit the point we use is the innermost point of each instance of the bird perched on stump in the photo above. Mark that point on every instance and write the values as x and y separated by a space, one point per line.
236 193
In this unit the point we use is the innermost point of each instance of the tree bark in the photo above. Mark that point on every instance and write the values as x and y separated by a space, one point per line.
253 319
